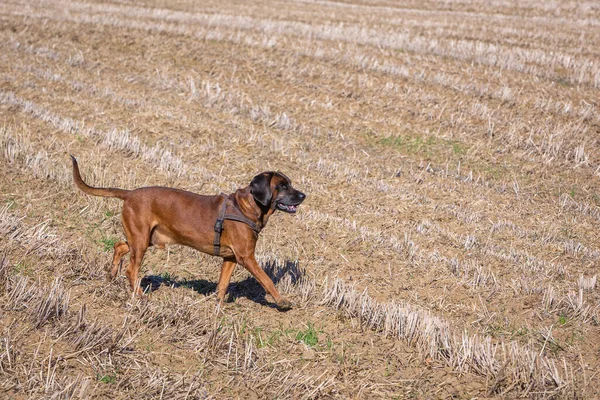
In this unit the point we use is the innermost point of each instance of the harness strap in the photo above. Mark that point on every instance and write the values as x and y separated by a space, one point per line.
233 217
219 228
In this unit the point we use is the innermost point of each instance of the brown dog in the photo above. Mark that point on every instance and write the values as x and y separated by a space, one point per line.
226 226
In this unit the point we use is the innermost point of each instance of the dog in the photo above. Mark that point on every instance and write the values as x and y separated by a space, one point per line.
222 225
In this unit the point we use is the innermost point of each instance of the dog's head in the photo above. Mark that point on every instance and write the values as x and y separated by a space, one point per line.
274 190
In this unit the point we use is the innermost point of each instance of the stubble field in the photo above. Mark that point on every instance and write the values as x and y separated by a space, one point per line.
448 246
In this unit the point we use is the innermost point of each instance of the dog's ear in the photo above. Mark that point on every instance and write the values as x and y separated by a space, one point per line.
260 187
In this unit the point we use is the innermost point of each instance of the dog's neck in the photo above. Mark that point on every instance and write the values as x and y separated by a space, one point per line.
248 206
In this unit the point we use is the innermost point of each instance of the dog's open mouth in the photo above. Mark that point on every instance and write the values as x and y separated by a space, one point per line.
288 208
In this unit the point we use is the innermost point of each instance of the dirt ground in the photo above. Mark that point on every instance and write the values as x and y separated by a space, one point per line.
448 246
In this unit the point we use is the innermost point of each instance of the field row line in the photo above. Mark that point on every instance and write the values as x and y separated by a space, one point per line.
524 60
505 93
433 336
501 17
112 139
471 272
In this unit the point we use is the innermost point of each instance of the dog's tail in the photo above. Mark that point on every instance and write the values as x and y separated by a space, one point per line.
104 192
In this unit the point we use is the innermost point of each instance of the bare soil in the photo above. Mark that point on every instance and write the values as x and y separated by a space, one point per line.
448 246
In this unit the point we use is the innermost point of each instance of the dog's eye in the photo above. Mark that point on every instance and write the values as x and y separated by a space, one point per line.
283 186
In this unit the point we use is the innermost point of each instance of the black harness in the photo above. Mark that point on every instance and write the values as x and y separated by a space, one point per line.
233 217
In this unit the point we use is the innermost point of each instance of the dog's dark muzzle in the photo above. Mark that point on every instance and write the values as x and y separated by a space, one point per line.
291 205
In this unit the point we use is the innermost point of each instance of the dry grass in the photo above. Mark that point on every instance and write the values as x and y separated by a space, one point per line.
448 244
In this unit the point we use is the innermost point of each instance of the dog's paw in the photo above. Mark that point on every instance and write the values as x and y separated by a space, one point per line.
284 304
219 306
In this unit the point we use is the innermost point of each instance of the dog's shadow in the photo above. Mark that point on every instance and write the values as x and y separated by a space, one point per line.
249 287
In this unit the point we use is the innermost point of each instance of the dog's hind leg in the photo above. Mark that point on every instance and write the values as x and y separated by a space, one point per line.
121 248
133 270
137 233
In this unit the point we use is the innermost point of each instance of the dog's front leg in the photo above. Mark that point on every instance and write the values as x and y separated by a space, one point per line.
251 265
226 271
